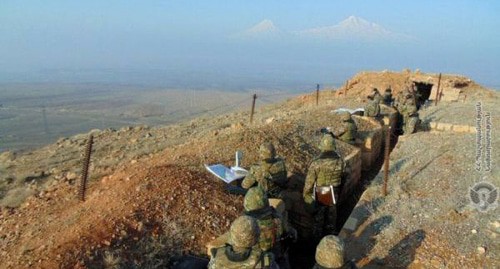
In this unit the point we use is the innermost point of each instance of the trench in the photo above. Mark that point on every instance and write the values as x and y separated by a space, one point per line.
302 254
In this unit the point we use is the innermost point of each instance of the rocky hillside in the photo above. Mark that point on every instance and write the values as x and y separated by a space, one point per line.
149 197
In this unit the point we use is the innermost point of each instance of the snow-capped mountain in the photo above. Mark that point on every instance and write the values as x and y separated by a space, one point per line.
351 28
265 29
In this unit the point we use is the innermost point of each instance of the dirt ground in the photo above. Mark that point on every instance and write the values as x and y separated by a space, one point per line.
150 197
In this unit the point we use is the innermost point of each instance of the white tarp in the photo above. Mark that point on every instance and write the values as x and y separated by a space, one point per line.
227 175
352 111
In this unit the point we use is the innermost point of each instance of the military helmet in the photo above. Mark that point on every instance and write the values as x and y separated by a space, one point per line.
346 116
267 151
330 252
244 232
327 143
256 198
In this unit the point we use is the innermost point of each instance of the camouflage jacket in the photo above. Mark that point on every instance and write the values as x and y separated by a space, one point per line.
269 175
226 258
325 170
388 99
348 131
372 109
271 228
409 109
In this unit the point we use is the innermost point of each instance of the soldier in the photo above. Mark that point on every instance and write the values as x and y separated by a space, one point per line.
388 100
269 173
241 250
410 116
348 131
273 229
322 187
372 109
375 94
330 254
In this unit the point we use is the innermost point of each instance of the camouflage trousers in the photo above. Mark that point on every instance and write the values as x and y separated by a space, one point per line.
324 221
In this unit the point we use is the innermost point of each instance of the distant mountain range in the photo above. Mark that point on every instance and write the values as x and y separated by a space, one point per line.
352 28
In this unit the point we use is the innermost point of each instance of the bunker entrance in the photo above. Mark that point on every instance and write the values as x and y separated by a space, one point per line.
423 92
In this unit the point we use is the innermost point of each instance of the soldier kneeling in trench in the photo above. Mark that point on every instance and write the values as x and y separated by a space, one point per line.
270 173
330 254
241 250
275 233
322 187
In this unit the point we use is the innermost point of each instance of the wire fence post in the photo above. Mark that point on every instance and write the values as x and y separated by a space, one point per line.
85 168
386 158
317 94
345 88
437 90
253 107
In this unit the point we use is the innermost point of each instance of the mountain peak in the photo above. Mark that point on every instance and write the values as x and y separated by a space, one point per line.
351 28
265 26
264 30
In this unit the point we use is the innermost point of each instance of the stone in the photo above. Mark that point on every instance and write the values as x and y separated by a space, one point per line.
386 120
71 176
444 126
481 250
433 125
461 128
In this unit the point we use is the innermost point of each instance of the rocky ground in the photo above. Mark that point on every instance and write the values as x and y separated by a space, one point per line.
427 220
150 198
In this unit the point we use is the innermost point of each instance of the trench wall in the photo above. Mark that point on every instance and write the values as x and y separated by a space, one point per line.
370 143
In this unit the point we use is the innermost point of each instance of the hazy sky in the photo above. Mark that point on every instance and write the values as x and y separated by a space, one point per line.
45 40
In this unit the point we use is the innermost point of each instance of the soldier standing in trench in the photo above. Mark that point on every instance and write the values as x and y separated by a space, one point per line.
275 233
241 250
347 132
322 188
388 100
270 173
330 254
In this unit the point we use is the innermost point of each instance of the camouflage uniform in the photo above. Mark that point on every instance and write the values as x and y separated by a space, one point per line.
388 97
410 117
372 109
330 254
375 94
348 131
325 171
270 174
271 225
241 251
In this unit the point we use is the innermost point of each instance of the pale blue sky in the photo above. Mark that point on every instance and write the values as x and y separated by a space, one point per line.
195 36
